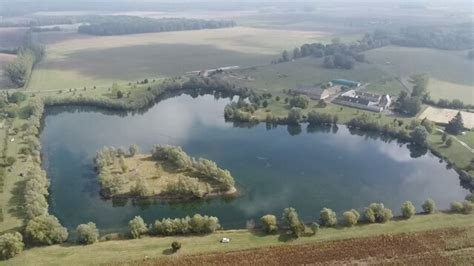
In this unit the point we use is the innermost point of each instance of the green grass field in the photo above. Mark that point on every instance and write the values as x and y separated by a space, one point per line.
308 72
75 60
450 71
157 247
387 67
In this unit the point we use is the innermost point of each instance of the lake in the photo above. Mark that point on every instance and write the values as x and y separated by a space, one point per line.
275 168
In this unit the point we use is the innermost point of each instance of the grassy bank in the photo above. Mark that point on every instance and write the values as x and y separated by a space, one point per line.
158 247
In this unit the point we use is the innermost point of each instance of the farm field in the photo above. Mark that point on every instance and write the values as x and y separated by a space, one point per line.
306 72
385 71
5 59
443 116
11 38
158 247
450 71
75 60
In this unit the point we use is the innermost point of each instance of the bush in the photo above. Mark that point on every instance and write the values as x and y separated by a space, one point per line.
133 149
294 115
197 224
10 160
11 244
137 227
470 197
351 217
376 212
467 207
456 206
328 217
269 223
175 246
314 228
408 210
290 216
87 233
429 206
300 101
45 230
449 142
17 97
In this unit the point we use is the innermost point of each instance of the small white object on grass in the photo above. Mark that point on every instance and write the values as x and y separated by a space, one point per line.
225 240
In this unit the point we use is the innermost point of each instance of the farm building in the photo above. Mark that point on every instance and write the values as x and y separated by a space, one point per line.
363 100
315 93
345 82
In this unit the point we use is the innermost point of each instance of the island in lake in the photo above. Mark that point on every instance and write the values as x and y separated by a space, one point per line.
167 173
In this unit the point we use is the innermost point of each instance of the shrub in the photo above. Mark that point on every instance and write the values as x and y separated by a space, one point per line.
10 160
467 207
314 228
133 149
45 230
470 197
408 210
17 97
269 223
456 206
429 206
11 244
294 115
87 233
290 216
376 212
351 217
137 227
328 217
300 101
175 246
179 226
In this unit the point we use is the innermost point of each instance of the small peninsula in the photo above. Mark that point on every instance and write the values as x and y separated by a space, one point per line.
167 173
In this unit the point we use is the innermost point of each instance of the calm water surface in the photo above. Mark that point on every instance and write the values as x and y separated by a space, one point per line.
275 168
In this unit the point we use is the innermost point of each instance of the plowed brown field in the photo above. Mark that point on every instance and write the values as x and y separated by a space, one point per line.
440 247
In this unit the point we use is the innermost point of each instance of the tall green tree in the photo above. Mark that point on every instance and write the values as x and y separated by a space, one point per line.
456 125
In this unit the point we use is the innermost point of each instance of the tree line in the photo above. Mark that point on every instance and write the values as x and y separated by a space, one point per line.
341 55
28 55
120 25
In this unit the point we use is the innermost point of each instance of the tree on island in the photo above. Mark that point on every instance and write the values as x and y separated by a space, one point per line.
456 125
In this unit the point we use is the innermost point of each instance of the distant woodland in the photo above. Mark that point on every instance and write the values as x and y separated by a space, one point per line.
120 25
341 55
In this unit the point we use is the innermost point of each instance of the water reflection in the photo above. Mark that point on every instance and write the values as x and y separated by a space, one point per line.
322 167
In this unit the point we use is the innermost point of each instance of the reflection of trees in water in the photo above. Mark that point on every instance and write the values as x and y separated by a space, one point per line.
416 151
184 205
86 108
318 129
294 130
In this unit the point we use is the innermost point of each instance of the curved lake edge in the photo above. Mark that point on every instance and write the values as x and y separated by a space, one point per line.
38 113
320 136
220 89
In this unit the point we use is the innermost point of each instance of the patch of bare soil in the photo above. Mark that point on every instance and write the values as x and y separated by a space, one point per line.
425 248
